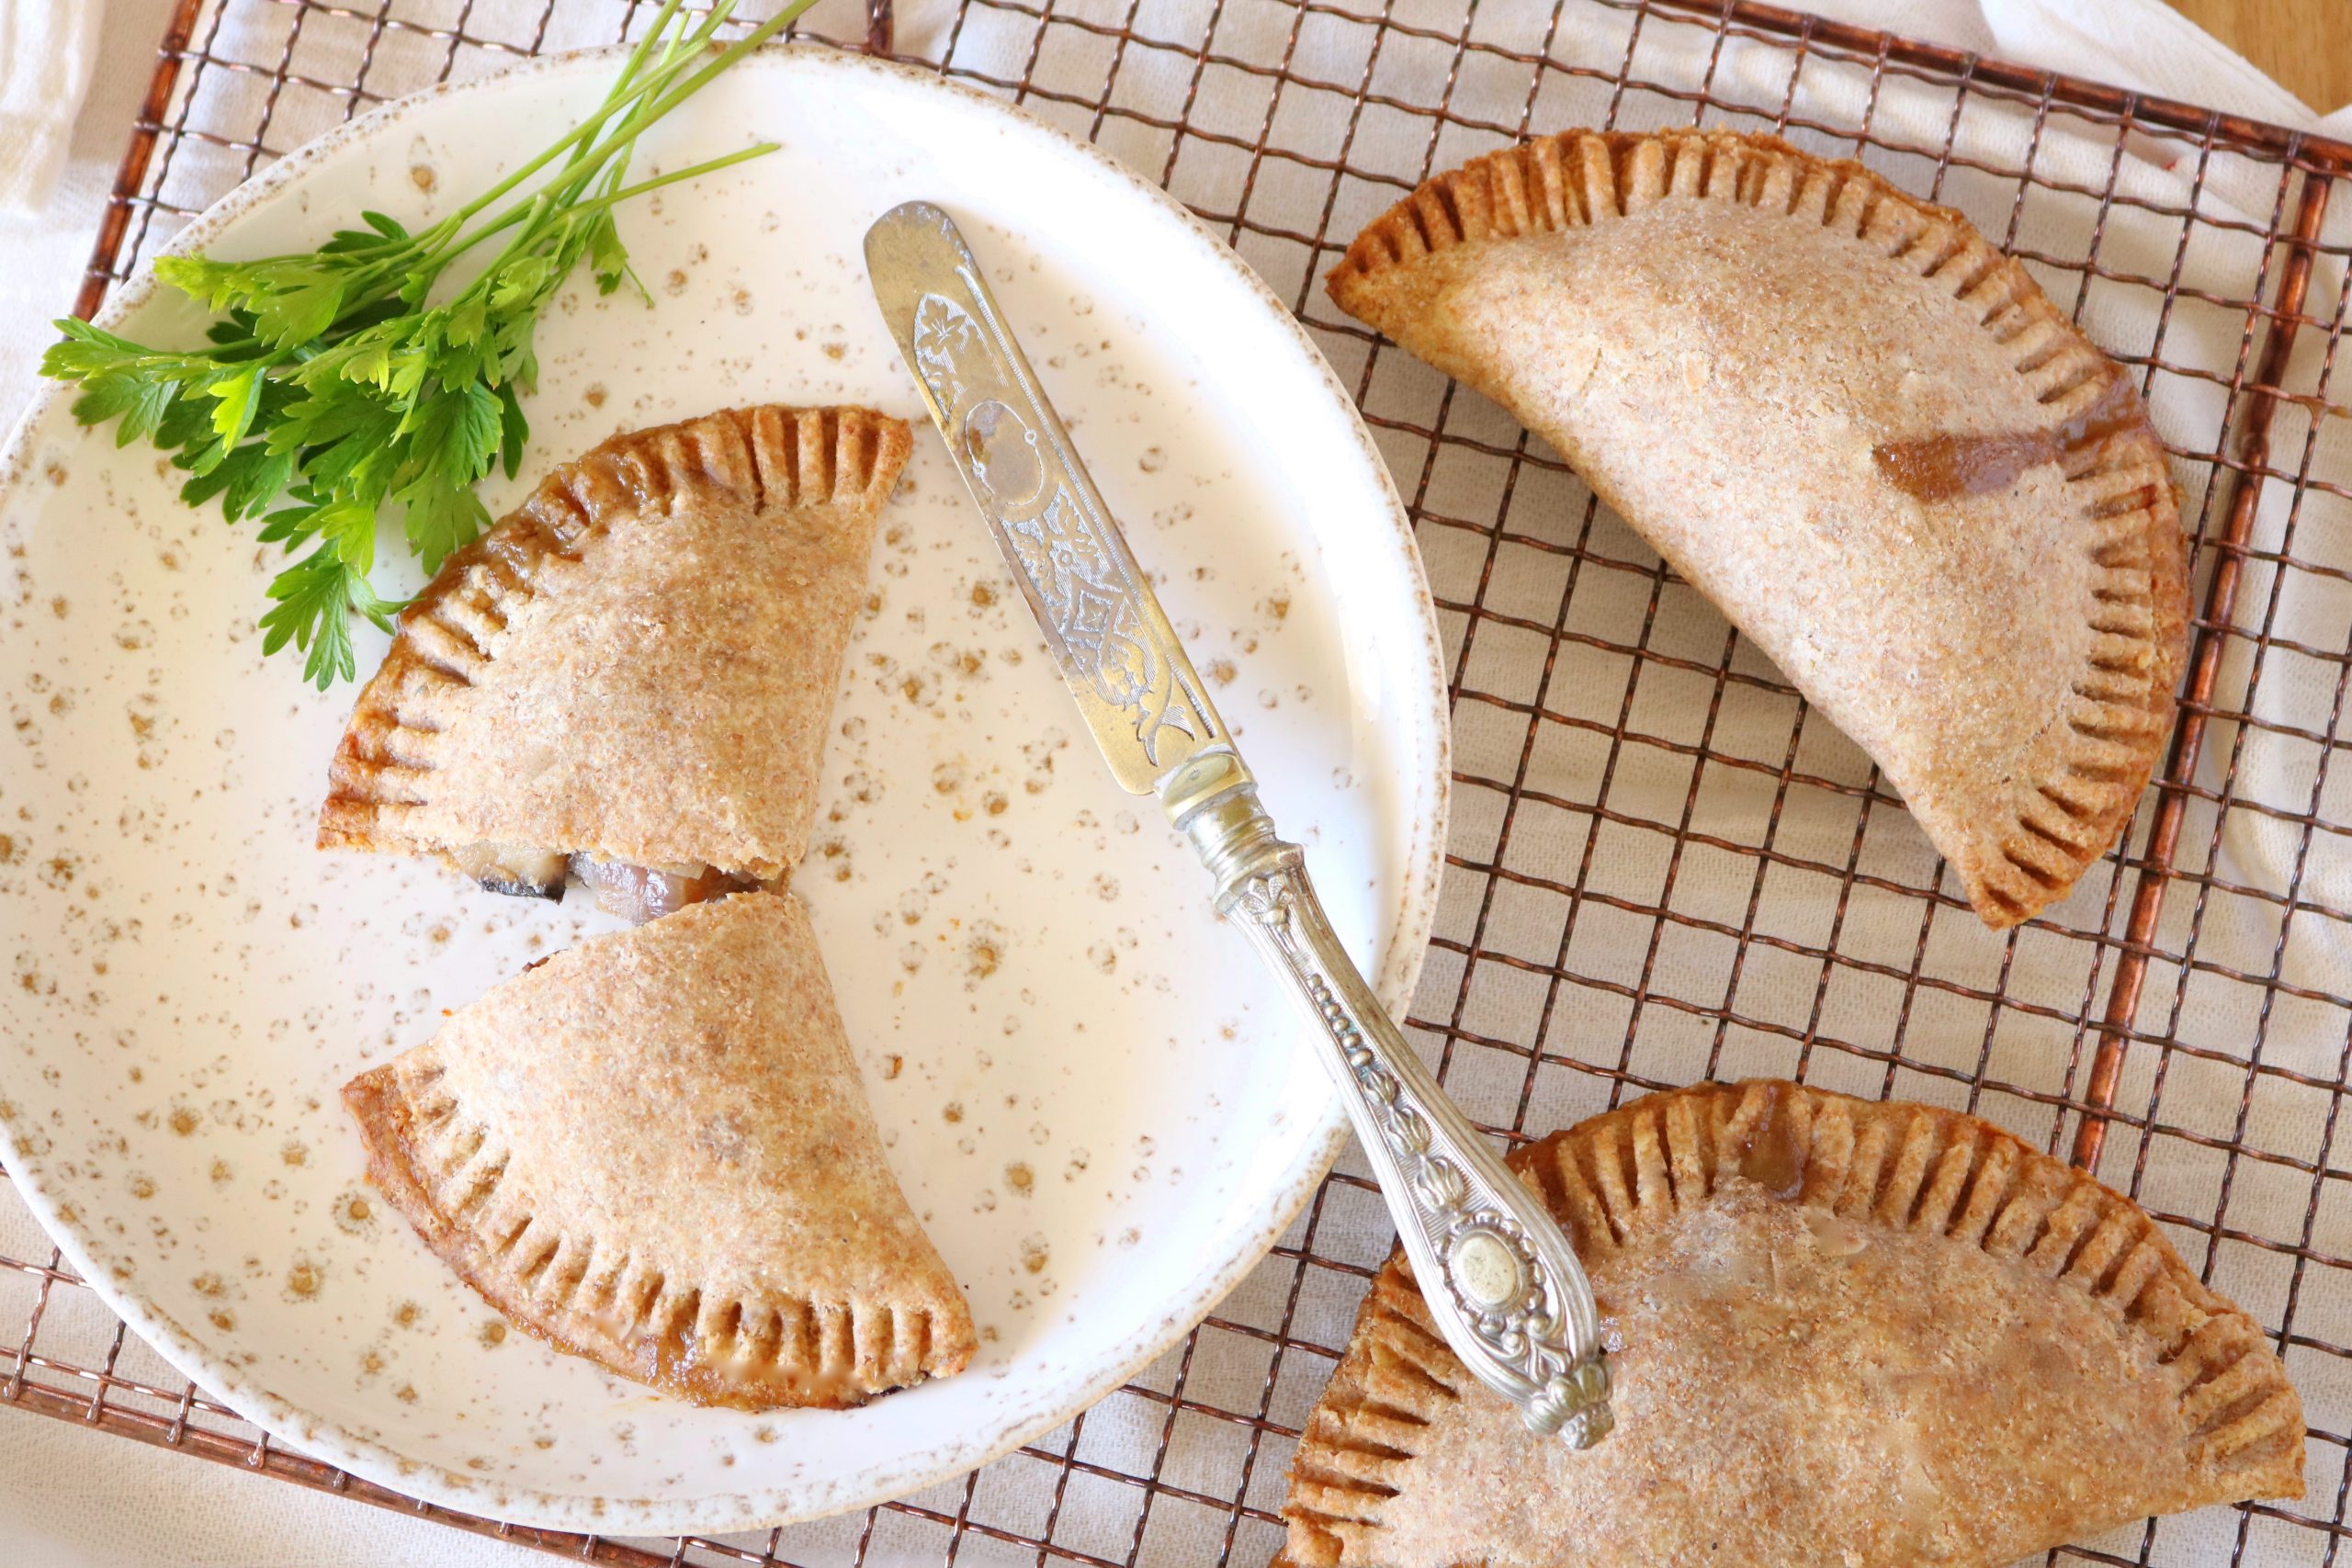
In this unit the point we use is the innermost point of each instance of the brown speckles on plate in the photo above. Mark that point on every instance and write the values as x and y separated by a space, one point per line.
337 968
304 1280
984 952
354 1211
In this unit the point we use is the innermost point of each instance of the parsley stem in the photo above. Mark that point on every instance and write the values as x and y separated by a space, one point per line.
693 171
633 95
334 397
742 46
589 158
624 88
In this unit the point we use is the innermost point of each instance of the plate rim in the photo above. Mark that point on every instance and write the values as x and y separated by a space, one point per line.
1420 874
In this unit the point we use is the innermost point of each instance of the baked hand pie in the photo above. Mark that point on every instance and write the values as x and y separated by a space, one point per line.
1848 1333
1857 428
629 676
653 1150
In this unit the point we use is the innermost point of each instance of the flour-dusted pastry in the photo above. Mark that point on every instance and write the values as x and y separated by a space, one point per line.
1853 1334
1857 428
653 1150
630 675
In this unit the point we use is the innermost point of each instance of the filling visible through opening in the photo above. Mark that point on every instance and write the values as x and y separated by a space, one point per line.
636 893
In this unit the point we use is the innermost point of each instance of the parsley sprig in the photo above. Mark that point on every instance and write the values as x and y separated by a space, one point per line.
332 387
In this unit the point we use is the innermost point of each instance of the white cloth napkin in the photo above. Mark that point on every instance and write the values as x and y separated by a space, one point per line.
47 51
2148 45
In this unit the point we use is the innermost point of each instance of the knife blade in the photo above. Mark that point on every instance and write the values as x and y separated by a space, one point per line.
1503 1285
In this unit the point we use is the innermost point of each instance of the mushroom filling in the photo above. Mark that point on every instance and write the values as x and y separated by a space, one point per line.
642 893
636 893
513 869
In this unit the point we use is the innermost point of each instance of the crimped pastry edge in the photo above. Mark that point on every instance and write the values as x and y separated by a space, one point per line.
666 1325
2112 734
1616 1179
777 457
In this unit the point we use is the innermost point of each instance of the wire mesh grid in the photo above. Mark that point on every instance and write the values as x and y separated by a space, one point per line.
1661 867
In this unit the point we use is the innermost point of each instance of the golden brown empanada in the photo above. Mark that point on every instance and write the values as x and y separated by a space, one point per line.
653 1150
1856 426
630 675
1846 1334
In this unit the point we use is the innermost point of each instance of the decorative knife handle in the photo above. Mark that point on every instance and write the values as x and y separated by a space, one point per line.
1500 1280
1500 1277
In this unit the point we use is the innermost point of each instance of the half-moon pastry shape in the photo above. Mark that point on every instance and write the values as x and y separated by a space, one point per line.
633 670
1859 429
1847 1334
653 1150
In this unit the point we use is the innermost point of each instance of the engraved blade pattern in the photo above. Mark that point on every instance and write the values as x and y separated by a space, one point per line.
1503 1283
1134 685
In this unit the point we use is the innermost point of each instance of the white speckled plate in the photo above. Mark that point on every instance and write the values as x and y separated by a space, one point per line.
1102 1111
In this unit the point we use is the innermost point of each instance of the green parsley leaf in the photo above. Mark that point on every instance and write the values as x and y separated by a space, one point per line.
361 373
608 258
441 517
313 599
140 403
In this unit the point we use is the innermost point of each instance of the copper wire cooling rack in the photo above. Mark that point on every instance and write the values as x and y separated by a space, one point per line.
1562 696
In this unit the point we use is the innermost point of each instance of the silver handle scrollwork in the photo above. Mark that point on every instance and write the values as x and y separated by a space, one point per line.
1500 1277
1500 1280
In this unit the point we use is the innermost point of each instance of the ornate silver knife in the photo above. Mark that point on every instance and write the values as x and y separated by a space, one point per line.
1500 1279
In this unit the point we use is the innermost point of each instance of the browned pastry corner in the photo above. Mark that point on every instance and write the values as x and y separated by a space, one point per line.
1857 428
1848 1333
635 666
653 1150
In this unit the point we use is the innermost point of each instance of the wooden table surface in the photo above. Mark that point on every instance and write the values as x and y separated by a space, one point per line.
2303 45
